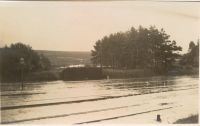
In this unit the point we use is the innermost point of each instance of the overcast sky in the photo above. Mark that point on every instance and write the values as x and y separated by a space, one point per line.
76 26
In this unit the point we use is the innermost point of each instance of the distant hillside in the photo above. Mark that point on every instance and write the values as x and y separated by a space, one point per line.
65 58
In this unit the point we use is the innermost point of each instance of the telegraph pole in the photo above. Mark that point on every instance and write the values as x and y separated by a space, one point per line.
22 72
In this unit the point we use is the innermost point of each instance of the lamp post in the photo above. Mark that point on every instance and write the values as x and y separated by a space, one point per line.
22 72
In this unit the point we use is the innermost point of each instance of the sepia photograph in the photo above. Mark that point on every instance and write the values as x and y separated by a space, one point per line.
99 62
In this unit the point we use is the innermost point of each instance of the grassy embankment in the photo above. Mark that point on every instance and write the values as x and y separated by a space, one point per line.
89 73
128 73
193 119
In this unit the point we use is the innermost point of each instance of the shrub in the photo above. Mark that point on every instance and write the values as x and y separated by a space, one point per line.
82 73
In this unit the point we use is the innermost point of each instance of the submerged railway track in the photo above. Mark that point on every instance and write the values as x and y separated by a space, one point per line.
31 104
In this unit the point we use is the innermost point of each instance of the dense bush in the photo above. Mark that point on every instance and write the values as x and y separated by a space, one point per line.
11 67
82 73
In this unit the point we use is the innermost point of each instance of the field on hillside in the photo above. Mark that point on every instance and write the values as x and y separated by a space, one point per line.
66 58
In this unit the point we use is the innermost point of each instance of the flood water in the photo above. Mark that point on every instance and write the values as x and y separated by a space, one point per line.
56 100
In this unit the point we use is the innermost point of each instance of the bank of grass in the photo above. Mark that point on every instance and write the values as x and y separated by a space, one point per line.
94 73
50 75
127 73
134 73
193 119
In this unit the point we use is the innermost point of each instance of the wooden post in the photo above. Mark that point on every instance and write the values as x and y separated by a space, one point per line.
22 70
158 118
22 78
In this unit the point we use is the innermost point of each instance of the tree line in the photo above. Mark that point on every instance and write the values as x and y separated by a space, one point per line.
136 48
10 61
142 48
191 58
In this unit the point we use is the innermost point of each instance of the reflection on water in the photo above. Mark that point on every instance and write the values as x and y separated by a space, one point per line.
73 90
69 91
